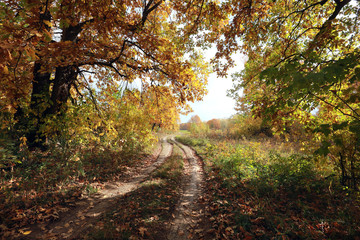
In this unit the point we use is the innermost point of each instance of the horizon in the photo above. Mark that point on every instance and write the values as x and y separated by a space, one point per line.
216 104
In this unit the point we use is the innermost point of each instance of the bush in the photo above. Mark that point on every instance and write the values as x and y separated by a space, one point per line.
247 126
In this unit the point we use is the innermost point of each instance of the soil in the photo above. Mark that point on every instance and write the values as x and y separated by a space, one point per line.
189 214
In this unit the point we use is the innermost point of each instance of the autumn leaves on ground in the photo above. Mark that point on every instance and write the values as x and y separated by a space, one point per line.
91 94
261 188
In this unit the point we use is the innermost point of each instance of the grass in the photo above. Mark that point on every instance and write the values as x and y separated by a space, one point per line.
262 190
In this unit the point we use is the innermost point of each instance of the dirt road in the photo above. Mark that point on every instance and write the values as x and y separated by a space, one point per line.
188 222
188 218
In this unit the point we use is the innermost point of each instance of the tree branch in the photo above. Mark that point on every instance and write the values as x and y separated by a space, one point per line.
334 106
70 33
197 18
339 5
345 103
108 64
93 99
147 10
17 63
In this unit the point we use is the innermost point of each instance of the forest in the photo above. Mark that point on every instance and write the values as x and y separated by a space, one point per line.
91 144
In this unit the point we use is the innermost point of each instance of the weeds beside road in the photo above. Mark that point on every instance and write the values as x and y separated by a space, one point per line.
258 190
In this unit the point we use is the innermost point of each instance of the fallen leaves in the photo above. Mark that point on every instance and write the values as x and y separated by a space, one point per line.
142 231
25 231
147 210
34 211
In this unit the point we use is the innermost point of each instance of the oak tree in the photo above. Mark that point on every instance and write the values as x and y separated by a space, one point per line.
52 52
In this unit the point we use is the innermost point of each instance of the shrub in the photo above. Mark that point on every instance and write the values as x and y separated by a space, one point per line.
247 126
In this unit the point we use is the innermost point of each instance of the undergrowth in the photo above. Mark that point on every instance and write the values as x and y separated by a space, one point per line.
36 185
269 191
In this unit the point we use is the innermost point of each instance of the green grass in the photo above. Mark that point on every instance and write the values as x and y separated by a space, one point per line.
264 190
172 168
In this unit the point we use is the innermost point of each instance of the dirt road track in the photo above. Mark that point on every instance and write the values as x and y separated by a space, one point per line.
188 221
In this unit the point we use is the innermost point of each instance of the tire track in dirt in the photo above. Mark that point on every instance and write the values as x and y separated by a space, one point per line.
78 220
188 220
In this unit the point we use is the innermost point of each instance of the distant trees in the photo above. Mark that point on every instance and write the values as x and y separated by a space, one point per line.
214 124
195 119
196 125
185 126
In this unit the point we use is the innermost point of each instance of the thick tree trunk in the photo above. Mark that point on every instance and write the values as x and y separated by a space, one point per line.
43 105
65 77
39 97
39 103
48 97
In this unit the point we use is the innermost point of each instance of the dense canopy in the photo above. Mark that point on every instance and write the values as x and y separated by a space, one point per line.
55 51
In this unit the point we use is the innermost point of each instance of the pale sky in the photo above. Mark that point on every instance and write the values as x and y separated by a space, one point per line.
216 104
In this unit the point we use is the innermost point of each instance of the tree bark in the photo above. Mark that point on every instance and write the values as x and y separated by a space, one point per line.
65 77
39 103
39 97
47 103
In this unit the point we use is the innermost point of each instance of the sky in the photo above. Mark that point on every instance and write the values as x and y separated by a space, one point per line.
216 104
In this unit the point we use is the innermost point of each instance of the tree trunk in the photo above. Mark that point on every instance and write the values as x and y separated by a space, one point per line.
65 77
39 103
45 103
31 124
48 96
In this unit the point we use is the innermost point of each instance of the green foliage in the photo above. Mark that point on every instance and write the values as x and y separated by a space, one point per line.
7 157
193 141
340 140
242 163
307 74
79 152
295 173
246 161
197 127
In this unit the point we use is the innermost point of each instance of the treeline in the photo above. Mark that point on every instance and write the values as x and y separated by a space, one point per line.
195 122
307 137
236 127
